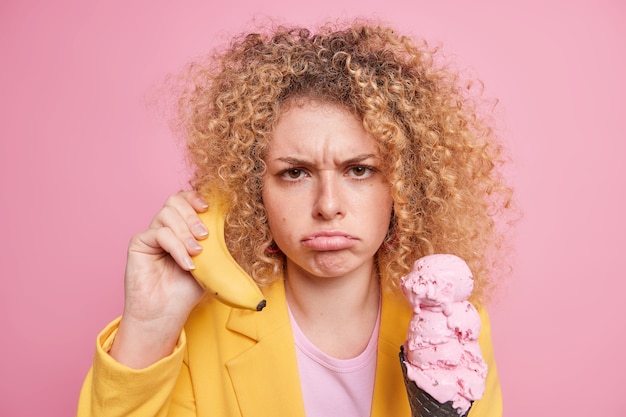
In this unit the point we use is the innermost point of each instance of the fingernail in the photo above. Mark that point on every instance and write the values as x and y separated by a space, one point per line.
202 204
193 244
189 264
199 230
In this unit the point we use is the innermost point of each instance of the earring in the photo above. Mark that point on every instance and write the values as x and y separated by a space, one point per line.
272 249
390 243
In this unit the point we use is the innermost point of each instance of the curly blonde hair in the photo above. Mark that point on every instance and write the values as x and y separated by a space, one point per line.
441 154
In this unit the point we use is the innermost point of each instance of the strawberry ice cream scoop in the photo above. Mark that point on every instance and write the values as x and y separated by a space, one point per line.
437 281
441 355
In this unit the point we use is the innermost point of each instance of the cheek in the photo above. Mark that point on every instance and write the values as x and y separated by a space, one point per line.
276 215
382 213
385 218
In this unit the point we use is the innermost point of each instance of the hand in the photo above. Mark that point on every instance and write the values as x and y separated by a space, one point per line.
159 289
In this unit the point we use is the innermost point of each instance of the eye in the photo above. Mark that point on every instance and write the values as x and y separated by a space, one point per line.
361 171
293 173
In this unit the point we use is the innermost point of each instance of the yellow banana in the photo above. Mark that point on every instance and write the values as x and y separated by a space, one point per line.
216 270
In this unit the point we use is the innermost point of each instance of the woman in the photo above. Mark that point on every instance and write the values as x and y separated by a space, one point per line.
343 156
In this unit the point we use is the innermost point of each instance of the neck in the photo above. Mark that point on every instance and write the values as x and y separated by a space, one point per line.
336 314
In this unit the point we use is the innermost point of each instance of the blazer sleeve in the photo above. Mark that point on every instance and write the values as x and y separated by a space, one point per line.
112 389
490 405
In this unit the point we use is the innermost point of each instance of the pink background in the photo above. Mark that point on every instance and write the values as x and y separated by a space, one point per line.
86 159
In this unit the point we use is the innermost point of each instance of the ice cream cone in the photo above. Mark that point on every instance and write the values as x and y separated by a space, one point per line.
422 404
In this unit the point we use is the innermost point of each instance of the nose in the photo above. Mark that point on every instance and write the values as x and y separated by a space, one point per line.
329 199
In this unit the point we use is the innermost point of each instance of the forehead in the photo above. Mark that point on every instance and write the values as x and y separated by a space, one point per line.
308 125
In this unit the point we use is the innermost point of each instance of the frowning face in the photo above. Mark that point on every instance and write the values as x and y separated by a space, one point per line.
328 203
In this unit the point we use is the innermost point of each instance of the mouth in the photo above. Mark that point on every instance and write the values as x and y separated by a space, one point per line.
329 241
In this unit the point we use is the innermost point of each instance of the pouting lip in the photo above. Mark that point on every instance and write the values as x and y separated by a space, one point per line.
329 241
331 233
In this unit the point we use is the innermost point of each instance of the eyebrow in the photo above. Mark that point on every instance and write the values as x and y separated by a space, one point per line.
355 160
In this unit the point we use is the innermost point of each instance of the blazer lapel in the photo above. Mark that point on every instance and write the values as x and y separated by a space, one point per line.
265 377
390 397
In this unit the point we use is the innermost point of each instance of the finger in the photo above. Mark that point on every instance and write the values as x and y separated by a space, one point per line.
163 240
182 218
178 250
170 218
196 200
199 204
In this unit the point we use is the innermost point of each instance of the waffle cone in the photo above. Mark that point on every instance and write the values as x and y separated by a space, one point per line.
422 403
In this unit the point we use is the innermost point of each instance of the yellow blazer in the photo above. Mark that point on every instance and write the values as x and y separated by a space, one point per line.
231 362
